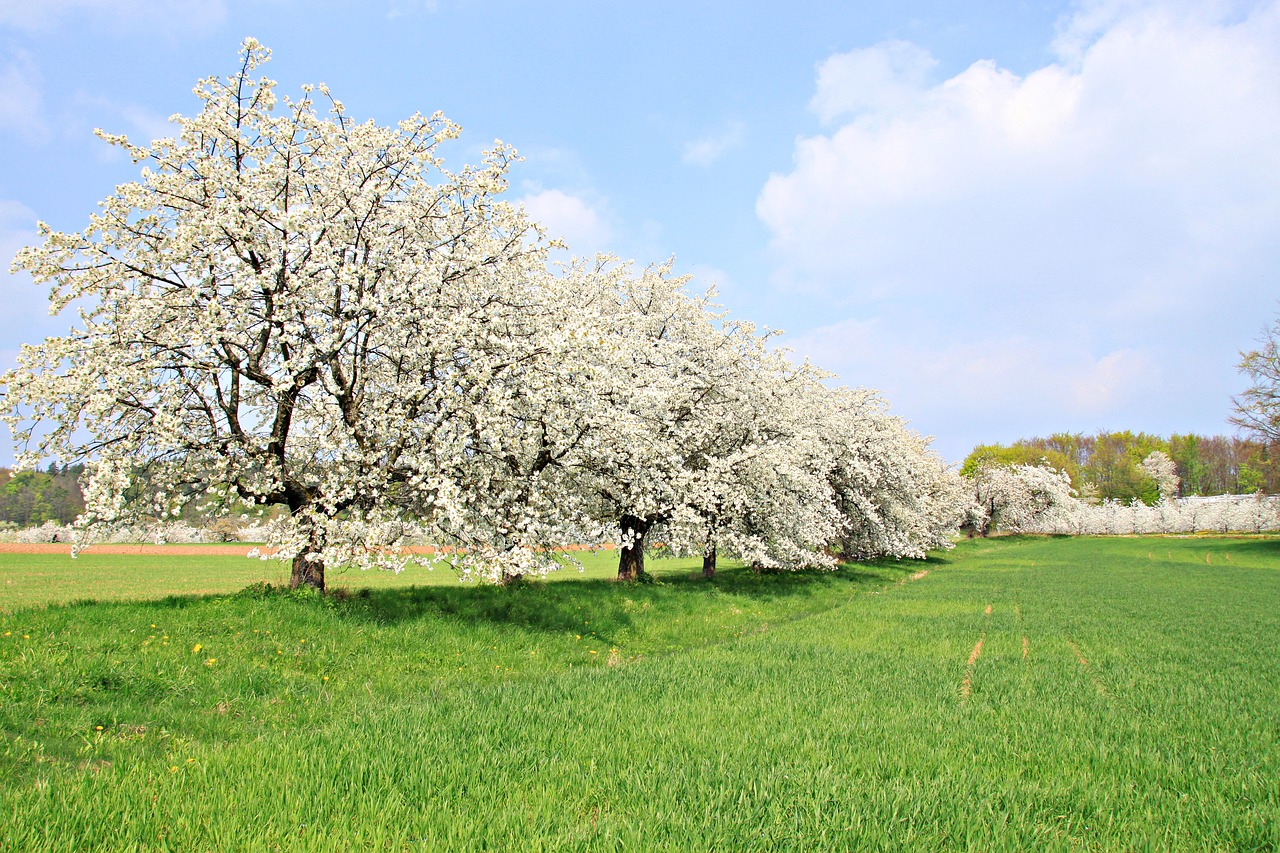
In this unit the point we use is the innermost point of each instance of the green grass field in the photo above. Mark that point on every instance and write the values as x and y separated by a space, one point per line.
1025 694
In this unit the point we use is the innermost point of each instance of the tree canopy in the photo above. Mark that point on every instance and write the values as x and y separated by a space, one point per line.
35 497
1257 409
292 308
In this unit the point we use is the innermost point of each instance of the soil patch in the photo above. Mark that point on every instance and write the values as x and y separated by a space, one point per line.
174 550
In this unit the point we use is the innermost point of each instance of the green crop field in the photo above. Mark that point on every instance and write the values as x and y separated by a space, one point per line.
1024 694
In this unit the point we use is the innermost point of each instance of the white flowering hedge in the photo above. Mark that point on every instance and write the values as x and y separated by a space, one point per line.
1039 499
291 308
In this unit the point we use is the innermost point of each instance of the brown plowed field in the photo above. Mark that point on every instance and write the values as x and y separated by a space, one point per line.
177 550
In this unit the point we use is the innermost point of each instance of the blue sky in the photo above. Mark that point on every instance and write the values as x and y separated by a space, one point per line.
1011 218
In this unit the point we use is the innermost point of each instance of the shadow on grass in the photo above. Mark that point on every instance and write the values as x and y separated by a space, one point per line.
567 605
607 605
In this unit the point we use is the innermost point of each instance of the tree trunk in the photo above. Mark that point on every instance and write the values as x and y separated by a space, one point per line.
308 572
631 557
709 562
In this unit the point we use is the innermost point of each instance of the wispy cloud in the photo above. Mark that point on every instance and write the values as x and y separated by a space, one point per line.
706 150
887 77
20 97
25 317
140 124
144 15
953 385
405 8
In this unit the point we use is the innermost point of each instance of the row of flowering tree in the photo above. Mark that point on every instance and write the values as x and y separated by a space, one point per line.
1040 499
290 308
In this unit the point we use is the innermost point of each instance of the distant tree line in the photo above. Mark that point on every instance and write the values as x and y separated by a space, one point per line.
34 497
1108 466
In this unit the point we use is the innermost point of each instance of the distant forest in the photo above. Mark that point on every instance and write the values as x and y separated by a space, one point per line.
1107 466
34 497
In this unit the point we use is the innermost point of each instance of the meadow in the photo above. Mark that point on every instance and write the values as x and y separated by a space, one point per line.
1012 694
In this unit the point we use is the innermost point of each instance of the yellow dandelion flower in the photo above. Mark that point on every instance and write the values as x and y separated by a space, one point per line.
196 648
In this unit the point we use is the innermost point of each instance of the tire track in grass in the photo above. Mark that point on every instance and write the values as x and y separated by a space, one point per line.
1026 644
915 577
966 685
1088 670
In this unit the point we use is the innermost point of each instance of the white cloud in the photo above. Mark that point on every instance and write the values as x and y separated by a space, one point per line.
148 15
1116 210
570 218
20 97
886 77
1090 20
1164 137
706 150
